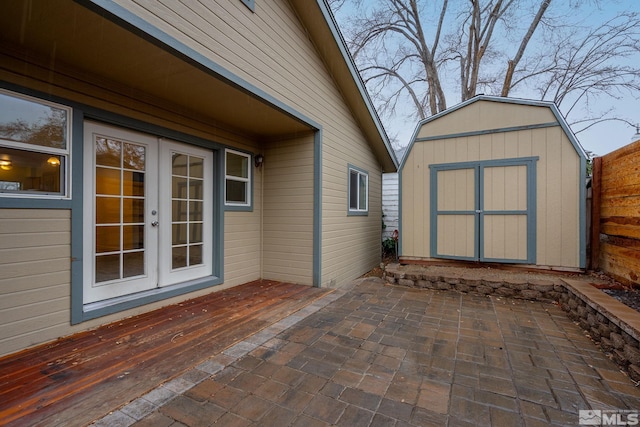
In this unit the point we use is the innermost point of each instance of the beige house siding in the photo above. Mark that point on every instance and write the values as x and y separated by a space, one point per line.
35 260
558 172
287 226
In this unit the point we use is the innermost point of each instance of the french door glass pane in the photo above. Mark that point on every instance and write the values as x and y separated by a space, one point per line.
179 257
195 233
108 152
107 181
133 210
179 188
133 236
107 210
179 164
107 239
179 234
119 209
195 255
180 210
133 184
196 168
195 189
107 268
133 264
134 157
196 210
186 210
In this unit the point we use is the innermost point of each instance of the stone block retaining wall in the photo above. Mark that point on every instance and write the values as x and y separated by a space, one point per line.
611 324
506 286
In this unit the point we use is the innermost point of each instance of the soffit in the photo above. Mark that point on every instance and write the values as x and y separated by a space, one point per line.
67 35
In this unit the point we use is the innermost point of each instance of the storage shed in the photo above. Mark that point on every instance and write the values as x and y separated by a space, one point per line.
495 180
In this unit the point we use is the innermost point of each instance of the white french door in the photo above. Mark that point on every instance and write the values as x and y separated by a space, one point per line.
148 212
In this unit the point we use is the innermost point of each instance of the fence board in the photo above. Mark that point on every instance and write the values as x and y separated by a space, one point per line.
617 180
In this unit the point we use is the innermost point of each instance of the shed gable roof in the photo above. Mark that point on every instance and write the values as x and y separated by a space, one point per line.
491 114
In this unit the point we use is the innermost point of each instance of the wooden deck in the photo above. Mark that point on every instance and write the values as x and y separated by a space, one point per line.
77 379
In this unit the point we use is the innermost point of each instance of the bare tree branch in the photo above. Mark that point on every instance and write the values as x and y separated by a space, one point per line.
513 63
416 53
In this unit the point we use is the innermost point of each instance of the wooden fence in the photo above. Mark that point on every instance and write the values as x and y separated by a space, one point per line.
615 226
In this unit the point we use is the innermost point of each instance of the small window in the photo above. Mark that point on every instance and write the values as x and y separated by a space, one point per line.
34 146
237 179
358 191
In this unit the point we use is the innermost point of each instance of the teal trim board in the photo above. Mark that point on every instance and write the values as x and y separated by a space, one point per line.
317 209
479 212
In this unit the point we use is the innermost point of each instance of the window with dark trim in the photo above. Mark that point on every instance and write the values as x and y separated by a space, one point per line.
237 173
35 139
358 191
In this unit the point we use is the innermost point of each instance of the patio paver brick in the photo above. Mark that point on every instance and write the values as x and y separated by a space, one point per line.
384 356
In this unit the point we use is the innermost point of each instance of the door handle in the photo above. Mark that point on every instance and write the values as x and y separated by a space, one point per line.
154 224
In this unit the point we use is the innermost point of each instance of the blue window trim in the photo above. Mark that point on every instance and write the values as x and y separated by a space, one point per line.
251 4
237 207
354 212
479 213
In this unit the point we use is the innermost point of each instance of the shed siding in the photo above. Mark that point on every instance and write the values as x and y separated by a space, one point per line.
557 172
486 116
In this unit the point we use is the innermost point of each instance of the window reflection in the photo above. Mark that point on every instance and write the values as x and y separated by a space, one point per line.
34 145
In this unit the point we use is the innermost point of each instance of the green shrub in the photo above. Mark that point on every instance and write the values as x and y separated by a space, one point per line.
388 247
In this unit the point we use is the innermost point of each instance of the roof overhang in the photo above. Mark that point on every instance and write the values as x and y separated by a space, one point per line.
99 43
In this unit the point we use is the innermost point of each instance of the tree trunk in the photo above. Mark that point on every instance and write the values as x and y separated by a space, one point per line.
506 86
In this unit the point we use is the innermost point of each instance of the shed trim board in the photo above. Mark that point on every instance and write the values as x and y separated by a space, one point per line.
487 131
479 212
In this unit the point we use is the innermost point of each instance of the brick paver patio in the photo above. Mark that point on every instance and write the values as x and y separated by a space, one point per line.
378 355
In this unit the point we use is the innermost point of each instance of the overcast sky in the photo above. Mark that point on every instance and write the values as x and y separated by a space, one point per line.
600 139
